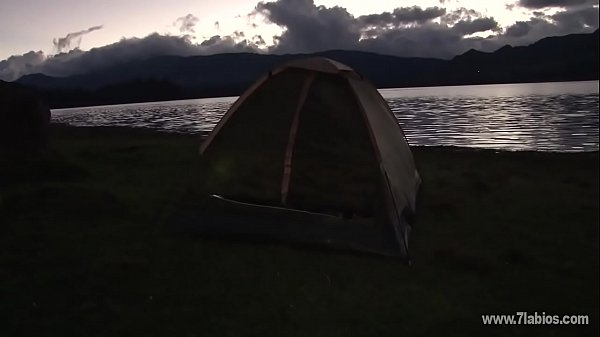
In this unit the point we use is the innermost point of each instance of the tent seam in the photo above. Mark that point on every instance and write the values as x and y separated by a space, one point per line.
289 151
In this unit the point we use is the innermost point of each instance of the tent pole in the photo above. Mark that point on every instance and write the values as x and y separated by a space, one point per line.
287 164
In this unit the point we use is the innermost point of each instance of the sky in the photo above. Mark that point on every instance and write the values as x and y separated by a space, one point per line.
66 37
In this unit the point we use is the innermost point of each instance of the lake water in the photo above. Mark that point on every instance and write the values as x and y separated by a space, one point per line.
560 116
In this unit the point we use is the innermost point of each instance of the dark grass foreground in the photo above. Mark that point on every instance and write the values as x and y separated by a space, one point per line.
84 250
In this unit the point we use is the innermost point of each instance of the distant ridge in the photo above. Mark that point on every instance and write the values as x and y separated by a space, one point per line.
562 58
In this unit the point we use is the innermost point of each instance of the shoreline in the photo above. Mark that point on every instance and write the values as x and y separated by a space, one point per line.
378 89
200 136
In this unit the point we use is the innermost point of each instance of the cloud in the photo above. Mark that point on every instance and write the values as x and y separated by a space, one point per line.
537 4
414 31
460 14
186 23
126 50
430 40
18 65
577 20
259 41
224 44
403 15
307 27
541 25
520 28
469 27
405 31
310 28
64 43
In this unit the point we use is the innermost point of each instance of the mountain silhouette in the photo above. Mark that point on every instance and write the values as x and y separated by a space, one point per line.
562 58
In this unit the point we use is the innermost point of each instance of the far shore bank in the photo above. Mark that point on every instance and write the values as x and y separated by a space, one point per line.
237 93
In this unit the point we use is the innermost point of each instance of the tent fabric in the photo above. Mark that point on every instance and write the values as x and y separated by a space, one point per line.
320 64
313 135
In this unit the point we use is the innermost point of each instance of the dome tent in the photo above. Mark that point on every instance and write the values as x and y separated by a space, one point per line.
313 137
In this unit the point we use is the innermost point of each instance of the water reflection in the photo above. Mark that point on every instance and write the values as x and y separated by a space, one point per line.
187 116
536 122
541 117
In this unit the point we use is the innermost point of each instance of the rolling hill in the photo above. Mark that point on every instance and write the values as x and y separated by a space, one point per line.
563 58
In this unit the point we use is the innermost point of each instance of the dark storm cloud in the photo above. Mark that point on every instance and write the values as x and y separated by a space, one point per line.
405 31
577 20
126 50
186 23
460 14
382 19
413 31
475 26
416 14
64 43
221 44
569 21
17 65
519 29
155 44
403 15
537 4
528 31
430 40
310 28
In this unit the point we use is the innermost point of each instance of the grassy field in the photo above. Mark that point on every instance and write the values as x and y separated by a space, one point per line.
84 250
